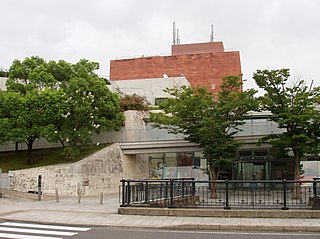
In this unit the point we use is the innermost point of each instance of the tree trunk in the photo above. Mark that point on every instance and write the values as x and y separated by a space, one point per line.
17 146
30 146
213 179
62 143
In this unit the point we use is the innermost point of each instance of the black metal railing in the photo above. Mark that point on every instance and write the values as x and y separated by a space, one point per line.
257 194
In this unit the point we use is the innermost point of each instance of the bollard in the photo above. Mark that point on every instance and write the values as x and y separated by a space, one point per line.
57 195
39 186
101 198
79 191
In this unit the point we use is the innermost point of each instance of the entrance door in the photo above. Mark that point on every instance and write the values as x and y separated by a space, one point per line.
258 172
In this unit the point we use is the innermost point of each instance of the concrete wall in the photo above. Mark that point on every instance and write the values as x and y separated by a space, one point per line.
100 172
150 88
3 83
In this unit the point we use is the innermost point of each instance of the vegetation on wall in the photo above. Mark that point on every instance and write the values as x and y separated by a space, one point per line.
133 102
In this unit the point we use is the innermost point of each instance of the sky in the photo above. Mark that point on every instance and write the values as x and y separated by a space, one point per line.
269 34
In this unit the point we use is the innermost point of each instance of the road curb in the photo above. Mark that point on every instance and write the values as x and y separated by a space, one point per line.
200 212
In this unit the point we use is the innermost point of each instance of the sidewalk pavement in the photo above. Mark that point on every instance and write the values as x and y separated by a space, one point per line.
91 213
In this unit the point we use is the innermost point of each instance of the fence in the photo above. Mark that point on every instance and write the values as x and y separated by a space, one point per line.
266 194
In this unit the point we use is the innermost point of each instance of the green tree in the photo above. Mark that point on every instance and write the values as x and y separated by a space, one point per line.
208 120
92 108
60 101
293 108
25 118
8 102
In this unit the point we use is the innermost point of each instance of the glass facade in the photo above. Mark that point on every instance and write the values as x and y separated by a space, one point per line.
178 165
251 162
258 164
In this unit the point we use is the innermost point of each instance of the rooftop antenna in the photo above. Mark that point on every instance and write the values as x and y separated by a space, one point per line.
178 37
310 88
211 36
174 33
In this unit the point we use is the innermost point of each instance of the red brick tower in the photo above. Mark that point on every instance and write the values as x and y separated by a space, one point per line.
203 64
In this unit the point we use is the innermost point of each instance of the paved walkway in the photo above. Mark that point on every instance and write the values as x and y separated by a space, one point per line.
91 213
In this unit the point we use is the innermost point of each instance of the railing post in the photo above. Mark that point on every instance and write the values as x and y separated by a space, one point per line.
284 188
314 185
129 192
193 192
183 188
161 190
166 191
123 193
227 207
171 194
146 191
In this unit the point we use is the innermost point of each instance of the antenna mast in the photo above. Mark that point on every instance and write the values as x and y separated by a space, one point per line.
178 37
211 36
174 33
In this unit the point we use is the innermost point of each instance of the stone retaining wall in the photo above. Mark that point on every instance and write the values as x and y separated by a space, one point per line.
100 172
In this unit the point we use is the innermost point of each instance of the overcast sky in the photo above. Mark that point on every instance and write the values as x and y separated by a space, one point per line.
269 34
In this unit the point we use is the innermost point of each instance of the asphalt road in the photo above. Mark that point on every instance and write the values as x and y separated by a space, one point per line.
25 230
122 233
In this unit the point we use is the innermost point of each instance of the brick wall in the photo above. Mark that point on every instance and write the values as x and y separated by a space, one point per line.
206 47
205 69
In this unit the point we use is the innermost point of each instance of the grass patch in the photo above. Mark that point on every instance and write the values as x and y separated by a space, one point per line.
42 157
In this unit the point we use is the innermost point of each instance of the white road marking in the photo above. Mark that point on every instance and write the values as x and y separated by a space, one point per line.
16 236
42 226
45 232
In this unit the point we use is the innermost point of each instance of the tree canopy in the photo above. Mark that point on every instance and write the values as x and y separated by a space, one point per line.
208 120
293 106
59 101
